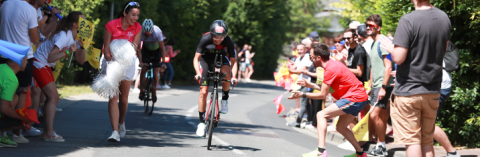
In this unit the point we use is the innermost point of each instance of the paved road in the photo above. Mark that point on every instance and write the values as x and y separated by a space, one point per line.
251 128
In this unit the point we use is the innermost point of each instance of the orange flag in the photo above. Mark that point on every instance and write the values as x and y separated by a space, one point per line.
28 102
277 101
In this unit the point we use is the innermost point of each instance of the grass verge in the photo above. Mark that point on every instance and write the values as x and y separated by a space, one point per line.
71 90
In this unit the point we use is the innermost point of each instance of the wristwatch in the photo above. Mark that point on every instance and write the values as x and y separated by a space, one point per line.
384 86
304 95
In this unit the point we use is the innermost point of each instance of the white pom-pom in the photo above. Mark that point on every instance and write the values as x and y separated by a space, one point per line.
123 51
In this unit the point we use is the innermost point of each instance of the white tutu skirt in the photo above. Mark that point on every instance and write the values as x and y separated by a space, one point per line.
129 71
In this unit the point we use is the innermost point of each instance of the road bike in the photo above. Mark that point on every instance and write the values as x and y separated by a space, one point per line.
150 91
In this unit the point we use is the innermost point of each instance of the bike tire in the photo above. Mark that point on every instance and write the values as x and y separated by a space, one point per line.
147 96
152 94
212 118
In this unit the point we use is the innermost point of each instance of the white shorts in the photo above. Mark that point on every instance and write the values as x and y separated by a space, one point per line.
129 73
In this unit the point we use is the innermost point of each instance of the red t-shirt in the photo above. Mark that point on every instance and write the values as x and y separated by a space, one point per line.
115 28
344 83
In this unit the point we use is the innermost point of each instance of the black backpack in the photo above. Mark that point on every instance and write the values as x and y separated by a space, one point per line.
451 58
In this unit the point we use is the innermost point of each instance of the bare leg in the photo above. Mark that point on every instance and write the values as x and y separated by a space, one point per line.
137 81
202 99
250 71
123 106
226 85
378 116
113 112
322 116
49 108
440 136
342 124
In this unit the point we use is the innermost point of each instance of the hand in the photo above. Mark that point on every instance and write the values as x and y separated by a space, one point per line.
387 44
143 65
381 94
340 56
369 91
306 72
164 66
54 11
178 51
393 73
295 95
234 81
302 82
80 42
198 77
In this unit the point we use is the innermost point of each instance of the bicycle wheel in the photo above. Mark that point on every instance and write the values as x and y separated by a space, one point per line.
147 96
152 95
211 119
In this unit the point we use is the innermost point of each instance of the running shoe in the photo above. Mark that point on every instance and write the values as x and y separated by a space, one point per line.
19 139
201 129
356 155
53 138
6 141
294 124
315 153
166 87
58 109
453 155
32 132
121 129
115 137
378 151
224 108
141 96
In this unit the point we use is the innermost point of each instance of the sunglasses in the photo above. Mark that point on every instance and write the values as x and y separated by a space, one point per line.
133 4
312 57
346 38
337 41
372 26
218 37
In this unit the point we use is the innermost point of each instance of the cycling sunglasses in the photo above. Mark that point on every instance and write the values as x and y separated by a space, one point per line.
133 4
346 38
372 26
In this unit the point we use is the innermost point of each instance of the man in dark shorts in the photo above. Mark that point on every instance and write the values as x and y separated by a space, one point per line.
214 42
9 119
345 87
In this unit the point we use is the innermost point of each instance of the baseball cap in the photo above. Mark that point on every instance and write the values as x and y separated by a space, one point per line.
354 24
314 34
362 30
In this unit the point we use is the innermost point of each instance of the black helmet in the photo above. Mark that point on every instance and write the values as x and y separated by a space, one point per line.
219 28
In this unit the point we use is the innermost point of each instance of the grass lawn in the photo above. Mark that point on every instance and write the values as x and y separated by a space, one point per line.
71 90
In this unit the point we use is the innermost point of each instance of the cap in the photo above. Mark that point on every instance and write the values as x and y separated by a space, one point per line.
314 34
362 30
354 24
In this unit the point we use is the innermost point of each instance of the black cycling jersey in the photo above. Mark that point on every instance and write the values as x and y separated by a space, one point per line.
208 49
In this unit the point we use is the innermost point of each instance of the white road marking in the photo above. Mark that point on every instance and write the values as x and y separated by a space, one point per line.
189 117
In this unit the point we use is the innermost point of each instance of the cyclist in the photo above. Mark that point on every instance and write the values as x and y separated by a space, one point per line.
214 42
152 38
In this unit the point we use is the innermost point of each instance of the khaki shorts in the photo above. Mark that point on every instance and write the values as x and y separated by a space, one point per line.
413 118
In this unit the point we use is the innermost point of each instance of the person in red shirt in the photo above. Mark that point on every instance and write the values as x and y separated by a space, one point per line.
125 27
345 87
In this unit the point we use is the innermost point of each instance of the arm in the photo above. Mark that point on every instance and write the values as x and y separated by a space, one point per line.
46 29
251 55
136 39
162 49
7 110
55 55
320 95
358 71
80 54
106 45
388 70
196 63
299 71
233 62
34 36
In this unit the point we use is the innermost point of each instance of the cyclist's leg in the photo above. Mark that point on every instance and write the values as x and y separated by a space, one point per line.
226 68
156 69
145 59
204 84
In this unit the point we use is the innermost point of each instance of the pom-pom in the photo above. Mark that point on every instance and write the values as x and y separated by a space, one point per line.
123 51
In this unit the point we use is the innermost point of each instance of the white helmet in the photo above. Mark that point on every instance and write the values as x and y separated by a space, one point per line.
147 26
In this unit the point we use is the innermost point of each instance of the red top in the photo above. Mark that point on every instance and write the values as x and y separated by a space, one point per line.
115 28
170 52
344 83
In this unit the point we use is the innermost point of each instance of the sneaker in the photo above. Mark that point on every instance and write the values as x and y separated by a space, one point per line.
201 129
136 90
166 86
453 155
141 96
19 139
315 153
6 141
159 86
310 126
377 151
224 108
58 109
53 138
356 155
32 132
122 130
294 124
115 137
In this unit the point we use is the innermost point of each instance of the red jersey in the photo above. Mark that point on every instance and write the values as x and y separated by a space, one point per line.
115 28
344 83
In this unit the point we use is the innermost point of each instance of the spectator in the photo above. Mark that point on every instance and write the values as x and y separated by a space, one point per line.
301 64
356 55
243 65
248 62
366 40
349 92
20 26
340 53
8 85
168 74
380 85
52 50
417 92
